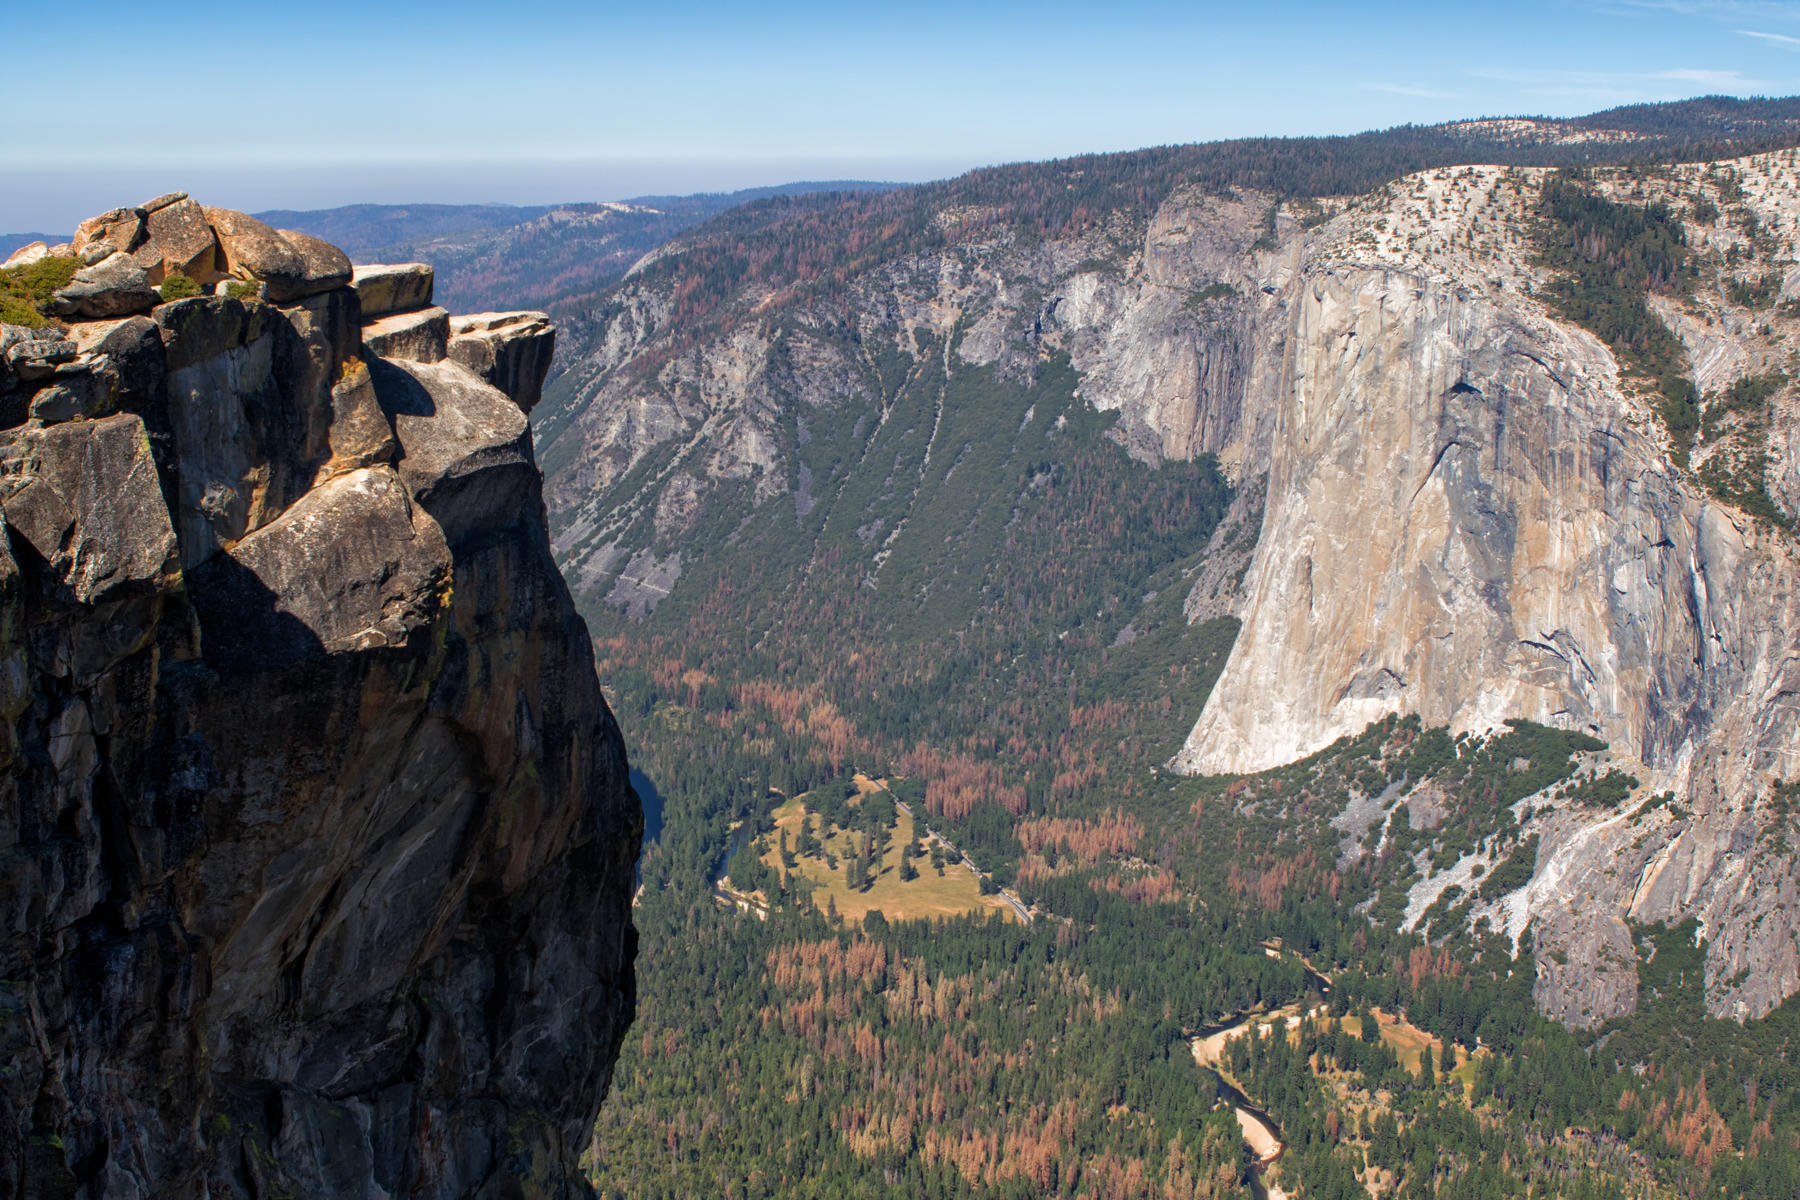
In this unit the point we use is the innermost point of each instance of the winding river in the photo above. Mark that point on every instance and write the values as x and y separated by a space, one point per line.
1260 1131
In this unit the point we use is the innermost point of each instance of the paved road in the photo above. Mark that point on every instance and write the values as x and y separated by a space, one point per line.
1012 901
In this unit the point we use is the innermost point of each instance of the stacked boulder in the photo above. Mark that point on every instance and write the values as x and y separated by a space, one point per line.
127 253
315 833
510 350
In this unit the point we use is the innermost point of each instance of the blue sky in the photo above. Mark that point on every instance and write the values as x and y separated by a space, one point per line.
257 105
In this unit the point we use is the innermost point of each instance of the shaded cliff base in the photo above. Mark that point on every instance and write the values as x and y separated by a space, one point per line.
1522 837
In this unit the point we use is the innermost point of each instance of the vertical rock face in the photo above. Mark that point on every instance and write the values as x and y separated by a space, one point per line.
1467 519
1440 482
316 840
1472 515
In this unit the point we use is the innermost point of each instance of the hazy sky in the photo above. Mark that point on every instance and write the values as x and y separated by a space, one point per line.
257 105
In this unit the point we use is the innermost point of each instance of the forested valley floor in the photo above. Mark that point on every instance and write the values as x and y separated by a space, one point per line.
811 1044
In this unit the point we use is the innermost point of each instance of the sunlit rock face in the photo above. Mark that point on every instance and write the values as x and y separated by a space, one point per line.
1471 515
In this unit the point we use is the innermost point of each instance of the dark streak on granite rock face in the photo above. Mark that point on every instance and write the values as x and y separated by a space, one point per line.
510 350
316 841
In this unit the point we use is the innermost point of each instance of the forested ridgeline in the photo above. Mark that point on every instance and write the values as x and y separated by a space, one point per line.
816 243
1612 257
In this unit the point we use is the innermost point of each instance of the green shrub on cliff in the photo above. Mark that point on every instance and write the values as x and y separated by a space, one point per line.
25 290
1608 258
179 287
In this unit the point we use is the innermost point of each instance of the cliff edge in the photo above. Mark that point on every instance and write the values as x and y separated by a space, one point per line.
316 841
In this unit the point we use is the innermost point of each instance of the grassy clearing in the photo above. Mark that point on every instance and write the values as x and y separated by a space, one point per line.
954 893
1406 1040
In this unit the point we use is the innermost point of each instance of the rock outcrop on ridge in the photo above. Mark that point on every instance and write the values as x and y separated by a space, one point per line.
317 847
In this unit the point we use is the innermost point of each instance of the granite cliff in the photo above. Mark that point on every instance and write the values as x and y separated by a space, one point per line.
1451 500
318 843
1473 513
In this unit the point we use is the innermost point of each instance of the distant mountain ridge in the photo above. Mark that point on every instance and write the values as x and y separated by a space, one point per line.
556 257
365 228
784 246
12 241
358 229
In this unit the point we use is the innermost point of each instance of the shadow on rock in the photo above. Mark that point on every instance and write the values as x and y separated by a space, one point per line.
242 631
